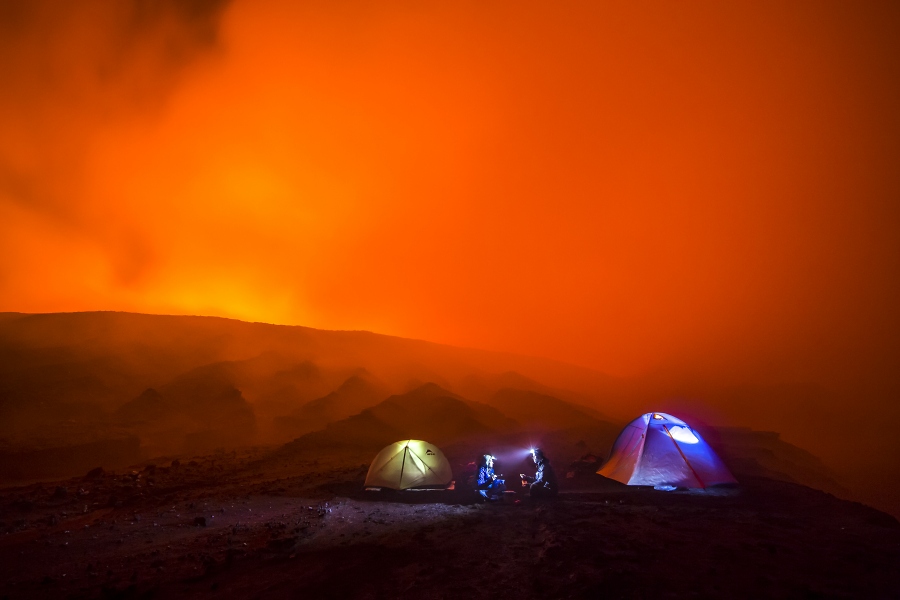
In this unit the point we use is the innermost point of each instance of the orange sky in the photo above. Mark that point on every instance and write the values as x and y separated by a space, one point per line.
711 187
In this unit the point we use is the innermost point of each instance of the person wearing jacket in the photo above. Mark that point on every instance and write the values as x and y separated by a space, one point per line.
488 485
543 484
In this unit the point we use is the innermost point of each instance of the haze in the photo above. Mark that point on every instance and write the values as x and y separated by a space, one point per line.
700 192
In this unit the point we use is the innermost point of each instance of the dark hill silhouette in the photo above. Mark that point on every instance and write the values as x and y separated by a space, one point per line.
190 417
569 429
507 379
358 392
765 454
77 376
227 420
81 365
56 366
272 382
433 403
484 387
154 349
150 406
286 389
69 373
429 412
541 412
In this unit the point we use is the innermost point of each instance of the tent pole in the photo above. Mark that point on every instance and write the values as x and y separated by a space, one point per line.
423 462
640 457
403 464
690 466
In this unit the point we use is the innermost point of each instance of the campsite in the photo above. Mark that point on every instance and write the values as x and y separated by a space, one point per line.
246 525
257 461
321 299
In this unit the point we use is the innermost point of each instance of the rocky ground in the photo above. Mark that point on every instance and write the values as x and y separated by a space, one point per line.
248 525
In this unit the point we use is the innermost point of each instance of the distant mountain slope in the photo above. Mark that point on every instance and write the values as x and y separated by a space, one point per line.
169 345
69 374
765 454
78 369
191 419
107 358
538 411
355 394
484 387
272 382
429 413
149 407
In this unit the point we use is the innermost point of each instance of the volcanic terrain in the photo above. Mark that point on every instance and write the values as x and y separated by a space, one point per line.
148 456
299 524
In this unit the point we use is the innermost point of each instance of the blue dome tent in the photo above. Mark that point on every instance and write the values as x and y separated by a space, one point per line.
663 451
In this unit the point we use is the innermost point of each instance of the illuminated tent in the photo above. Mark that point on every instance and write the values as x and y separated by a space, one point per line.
409 464
663 451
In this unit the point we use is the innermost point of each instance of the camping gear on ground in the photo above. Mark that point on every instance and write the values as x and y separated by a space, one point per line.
663 451
410 464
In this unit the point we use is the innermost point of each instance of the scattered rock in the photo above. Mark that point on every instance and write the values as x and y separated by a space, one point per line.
95 473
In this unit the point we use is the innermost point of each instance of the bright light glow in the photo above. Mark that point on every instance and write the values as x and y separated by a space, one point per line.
419 464
658 417
683 434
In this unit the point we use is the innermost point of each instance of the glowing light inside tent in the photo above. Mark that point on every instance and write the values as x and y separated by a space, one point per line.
658 417
683 434
417 462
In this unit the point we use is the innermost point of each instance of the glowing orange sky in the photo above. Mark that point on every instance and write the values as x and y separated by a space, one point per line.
710 186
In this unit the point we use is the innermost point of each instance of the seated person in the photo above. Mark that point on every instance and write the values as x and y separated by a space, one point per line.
543 484
487 483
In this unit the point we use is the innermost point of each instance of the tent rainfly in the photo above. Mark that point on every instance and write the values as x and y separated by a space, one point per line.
409 464
663 451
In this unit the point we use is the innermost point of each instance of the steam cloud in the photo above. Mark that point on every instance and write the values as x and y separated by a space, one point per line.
711 200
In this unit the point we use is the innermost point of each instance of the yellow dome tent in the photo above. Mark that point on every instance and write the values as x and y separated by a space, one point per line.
409 464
